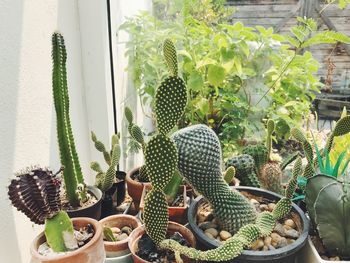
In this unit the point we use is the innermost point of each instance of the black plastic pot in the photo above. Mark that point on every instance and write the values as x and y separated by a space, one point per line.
114 196
93 211
286 254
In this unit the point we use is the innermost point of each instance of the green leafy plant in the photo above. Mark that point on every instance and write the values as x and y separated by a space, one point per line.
72 174
36 193
105 180
196 152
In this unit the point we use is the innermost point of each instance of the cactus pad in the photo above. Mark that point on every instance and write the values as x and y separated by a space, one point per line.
156 215
245 169
161 160
171 99
259 154
170 56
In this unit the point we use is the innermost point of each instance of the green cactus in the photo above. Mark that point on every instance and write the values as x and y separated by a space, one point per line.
170 56
72 174
271 177
270 130
327 200
259 153
245 169
105 180
36 193
229 174
289 159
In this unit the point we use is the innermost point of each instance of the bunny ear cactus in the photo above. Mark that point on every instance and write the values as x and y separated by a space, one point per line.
105 180
245 169
72 174
36 193
328 203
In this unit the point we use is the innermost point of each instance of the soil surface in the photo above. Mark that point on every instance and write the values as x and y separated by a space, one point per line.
322 250
66 205
149 251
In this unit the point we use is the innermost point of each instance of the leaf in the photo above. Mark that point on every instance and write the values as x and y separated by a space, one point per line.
205 62
338 163
108 234
195 81
184 53
216 75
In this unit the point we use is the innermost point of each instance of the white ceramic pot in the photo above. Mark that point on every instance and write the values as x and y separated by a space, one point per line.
309 254
121 259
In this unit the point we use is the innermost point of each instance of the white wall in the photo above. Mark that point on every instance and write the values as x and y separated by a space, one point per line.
27 117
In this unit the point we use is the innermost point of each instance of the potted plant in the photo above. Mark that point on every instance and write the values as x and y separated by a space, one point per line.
326 196
36 193
79 199
110 182
116 232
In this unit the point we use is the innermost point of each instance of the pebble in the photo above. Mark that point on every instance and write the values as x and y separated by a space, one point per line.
127 230
290 241
122 237
265 248
290 223
224 235
292 233
279 229
209 235
264 207
334 258
115 230
212 231
254 201
267 241
271 247
205 216
271 206
259 243
275 239
206 225
283 242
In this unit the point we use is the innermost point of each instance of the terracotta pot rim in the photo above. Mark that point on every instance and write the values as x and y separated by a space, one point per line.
95 238
99 199
129 179
116 217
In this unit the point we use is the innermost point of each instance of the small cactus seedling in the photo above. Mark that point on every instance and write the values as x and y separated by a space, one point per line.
36 193
105 180
72 174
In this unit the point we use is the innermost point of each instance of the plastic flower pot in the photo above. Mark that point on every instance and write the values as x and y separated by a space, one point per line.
92 252
172 228
93 211
177 214
286 254
118 251
135 188
309 254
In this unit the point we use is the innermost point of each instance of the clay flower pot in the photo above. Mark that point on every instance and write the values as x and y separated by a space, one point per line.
135 188
118 251
177 214
172 228
92 252
92 211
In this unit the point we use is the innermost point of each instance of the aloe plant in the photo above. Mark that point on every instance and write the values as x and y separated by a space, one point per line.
72 174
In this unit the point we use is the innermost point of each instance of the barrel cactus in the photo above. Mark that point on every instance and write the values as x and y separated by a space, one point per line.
196 152
36 193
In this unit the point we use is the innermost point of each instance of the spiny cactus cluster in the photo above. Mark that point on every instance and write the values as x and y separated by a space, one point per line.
36 193
245 169
72 174
105 180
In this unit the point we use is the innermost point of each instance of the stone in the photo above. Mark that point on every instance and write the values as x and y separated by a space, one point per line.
265 248
126 229
122 237
264 207
290 223
115 230
212 231
205 225
257 244
283 242
254 201
279 229
267 241
271 206
209 235
292 233
290 241
224 235
334 258
275 239
271 247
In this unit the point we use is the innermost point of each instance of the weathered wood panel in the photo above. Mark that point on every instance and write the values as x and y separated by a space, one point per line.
271 13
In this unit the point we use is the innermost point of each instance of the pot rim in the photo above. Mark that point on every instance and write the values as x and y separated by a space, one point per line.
250 254
131 172
92 189
114 218
94 240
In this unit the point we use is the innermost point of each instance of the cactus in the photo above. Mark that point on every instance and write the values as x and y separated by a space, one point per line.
327 200
271 177
198 158
245 169
229 174
72 174
270 129
259 153
105 180
36 193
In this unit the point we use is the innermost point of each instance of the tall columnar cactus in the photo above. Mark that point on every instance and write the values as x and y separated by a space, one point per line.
245 169
198 157
72 174
328 203
36 193
105 180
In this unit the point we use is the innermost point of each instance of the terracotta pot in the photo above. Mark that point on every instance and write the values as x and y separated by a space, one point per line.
134 187
172 228
176 214
93 211
91 252
118 248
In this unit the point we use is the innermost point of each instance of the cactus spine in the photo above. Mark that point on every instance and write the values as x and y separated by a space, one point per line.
72 174
105 180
